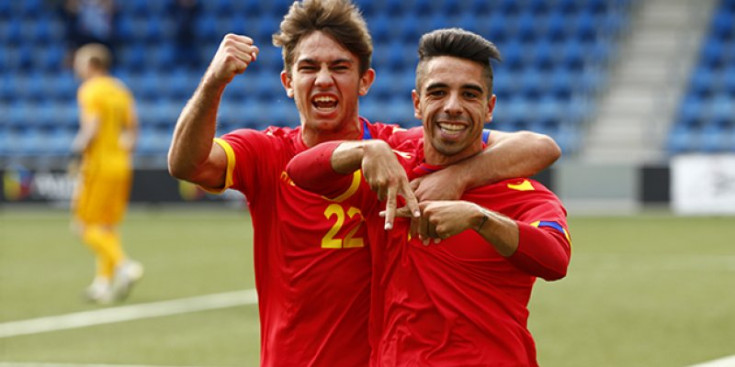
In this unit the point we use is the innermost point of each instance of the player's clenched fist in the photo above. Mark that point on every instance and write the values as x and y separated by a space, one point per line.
233 56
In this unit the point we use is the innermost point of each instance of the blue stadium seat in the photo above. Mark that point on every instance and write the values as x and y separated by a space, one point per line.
556 27
408 29
550 112
5 142
46 30
30 142
49 57
481 7
728 80
8 87
527 28
10 31
152 142
68 116
379 27
6 10
544 55
512 54
713 139
206 26
367 7
568 7
539 7
133 7
706 115
691 113
555 55
585 28
420 7
568 138
508 7
531 85
18 115
713 53
30 8
728 5
723 25
574 55
396 7
132 57
451 8
561 84
161 57
31 87
277 8
722 111
217 7
58 141
181 84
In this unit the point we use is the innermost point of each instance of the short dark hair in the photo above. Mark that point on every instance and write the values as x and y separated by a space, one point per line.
459 43
340 19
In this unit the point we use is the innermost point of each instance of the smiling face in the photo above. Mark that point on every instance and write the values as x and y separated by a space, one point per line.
454 105
325 83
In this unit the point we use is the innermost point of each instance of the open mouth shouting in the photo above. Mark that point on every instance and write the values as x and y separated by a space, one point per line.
324 103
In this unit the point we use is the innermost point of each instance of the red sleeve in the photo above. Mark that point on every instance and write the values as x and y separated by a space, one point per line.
541 252
312 170
544 245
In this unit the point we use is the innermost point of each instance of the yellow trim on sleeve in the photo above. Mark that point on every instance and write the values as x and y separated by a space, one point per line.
356 178
230 166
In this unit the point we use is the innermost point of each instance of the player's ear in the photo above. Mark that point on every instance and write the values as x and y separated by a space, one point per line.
416 104
490 108
366 80
287 83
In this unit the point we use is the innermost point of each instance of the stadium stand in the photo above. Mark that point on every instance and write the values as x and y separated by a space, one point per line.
706 115
555 60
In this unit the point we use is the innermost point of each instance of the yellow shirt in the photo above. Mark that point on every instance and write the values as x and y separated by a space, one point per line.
109 101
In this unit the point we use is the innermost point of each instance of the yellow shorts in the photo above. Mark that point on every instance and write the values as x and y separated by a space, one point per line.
102 196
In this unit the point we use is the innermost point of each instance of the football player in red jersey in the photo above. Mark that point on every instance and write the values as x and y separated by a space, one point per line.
312 265
462 301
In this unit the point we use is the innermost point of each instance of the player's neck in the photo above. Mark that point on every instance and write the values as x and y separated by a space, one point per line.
436 158
93 73
315 136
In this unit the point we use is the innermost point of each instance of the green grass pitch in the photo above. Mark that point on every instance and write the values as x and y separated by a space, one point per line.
649 290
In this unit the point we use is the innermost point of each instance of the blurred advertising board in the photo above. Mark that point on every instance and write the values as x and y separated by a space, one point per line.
21 185
703 184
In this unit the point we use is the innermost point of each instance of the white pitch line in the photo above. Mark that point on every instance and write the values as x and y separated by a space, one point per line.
127 313
722 362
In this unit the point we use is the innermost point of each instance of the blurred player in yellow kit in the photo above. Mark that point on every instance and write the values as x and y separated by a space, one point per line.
103 147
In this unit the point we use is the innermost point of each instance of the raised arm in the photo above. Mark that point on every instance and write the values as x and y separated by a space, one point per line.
508 155
193 156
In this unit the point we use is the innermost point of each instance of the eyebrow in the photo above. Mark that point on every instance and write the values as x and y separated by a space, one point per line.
439 85
312 61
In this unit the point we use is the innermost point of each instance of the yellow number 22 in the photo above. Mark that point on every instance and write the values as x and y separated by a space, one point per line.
328 241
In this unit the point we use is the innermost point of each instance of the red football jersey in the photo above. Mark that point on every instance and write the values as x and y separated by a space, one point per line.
460 302
312 266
